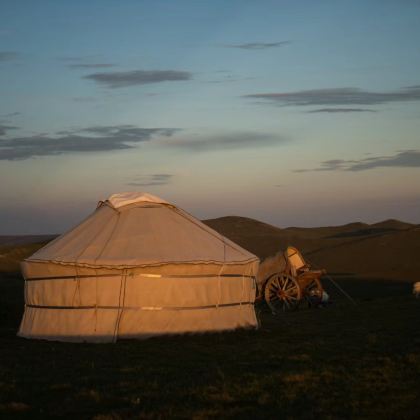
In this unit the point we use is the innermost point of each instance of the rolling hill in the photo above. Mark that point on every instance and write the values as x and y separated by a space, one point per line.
387 250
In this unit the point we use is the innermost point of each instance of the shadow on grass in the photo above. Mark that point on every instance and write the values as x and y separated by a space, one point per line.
341 361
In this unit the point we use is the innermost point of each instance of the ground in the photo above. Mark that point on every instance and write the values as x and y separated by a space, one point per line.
343 361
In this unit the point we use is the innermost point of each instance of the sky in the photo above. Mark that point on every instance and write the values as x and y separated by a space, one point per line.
295 113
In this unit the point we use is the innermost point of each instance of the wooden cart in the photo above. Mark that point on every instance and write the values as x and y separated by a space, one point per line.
286 289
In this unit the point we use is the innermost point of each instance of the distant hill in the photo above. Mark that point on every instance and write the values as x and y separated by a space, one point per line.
10 240
260 238
12 255
391 255
388 250
14 249
393 224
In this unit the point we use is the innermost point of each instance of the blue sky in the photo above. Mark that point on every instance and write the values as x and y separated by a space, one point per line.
292 112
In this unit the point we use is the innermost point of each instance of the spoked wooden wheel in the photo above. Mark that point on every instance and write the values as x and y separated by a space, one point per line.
282 292
314 292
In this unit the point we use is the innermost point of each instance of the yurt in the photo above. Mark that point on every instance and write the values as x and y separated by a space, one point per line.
137 267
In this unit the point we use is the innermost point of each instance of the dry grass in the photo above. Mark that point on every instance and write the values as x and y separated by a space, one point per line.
11 256
340 362
337 362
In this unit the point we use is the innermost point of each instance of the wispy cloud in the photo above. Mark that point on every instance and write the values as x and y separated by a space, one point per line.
5 128
151 180
338 110
90 65
412 87
10 114
402 159
8 55
226 141
80 58
84 99
86 62
338 96
258 45
121 79
90 139
229 79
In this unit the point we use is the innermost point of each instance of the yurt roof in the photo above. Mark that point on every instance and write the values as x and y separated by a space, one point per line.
136 230
123 199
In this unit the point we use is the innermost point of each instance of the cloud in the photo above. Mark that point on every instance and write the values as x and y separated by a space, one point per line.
339 96
151 180
226 142
229 79
90 139
258 45
8 55
86 62
120 79
402 159
10 114
412 87
90 65
5 128
334 110
84 99
79 58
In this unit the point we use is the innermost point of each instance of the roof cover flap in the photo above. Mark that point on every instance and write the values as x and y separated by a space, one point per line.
125 198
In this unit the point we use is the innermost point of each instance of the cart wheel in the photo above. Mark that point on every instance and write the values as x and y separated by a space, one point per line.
313 292
282 292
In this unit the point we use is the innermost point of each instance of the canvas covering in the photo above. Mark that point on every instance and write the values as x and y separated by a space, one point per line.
136 270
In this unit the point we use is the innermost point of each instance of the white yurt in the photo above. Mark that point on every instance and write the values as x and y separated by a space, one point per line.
137 267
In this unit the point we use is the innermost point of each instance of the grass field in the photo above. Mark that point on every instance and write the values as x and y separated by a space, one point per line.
337 362
343 361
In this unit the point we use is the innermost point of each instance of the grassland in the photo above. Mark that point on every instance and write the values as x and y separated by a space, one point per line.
337 362
343 361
